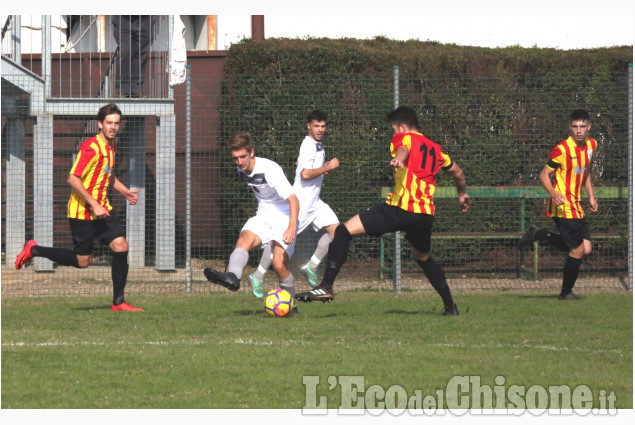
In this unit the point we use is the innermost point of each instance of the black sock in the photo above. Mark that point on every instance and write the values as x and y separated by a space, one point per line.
62 256
119 276
336 256
554 239
570 274
435 275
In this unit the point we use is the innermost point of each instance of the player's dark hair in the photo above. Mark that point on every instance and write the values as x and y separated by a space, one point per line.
580 115
240 141
106 110
316 115
404 115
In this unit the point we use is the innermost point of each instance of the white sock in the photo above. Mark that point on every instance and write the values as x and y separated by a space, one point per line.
314 262
288 284
265 262
321 251
237 262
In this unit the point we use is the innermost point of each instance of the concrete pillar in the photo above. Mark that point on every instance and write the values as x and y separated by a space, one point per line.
43 187
165 193
136 214
13 135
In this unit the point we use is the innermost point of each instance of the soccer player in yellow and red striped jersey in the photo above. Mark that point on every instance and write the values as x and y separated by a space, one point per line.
90 215
409 207
563 177
416 181
94 164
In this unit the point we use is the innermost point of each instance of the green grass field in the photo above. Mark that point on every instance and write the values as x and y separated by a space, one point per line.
221 350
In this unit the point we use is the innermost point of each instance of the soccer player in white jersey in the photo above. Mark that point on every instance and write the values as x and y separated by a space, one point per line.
314 212
275 222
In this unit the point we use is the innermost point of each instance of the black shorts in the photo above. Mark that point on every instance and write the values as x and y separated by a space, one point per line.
573 230
85 232
384 218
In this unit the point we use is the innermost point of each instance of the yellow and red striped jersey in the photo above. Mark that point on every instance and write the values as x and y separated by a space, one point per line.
571 165
416 182
94 164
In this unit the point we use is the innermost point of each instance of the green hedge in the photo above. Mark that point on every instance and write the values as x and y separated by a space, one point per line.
497 112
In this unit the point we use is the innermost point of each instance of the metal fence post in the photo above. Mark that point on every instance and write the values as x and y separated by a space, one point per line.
16 39
630 175
46 54
188 181
397 278
169 59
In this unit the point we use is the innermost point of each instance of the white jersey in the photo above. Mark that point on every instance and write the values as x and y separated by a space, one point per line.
269 184
308 191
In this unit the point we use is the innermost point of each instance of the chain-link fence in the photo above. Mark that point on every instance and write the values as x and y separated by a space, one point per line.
192 204
501 141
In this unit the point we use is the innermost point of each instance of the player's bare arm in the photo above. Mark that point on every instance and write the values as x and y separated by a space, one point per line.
76 183
401 157
129 194
588 186
311 173
294 208
545 179
461 186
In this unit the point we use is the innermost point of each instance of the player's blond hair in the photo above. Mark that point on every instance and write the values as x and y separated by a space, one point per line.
240 141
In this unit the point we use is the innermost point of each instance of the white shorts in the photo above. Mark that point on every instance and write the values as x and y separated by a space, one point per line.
270 226
319 217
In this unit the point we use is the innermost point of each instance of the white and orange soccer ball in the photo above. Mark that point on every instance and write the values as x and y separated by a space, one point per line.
279 302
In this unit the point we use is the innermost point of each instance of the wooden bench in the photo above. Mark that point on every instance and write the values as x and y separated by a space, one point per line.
476 192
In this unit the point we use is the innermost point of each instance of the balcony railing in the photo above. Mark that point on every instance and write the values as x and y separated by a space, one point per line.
93 56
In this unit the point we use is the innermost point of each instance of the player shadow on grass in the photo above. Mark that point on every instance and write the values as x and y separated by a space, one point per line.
96 307
542 296
258 312
432 312
250 312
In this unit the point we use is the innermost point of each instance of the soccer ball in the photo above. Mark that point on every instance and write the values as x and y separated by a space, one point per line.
278 302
